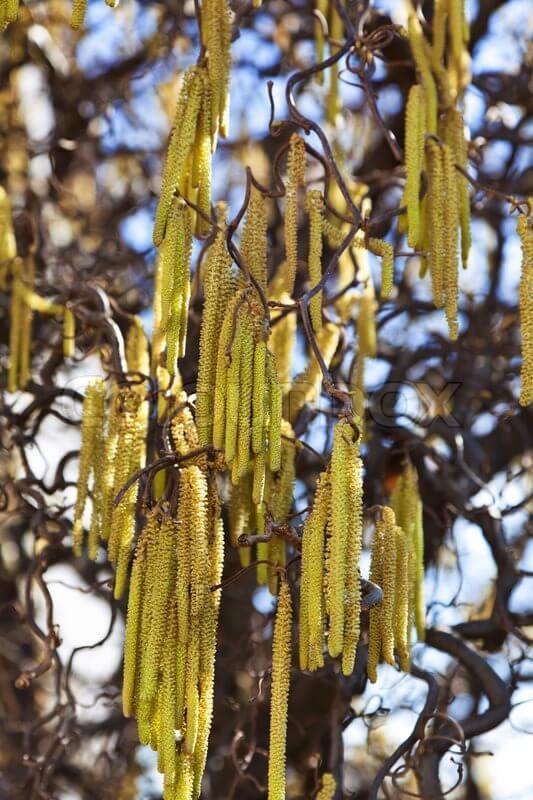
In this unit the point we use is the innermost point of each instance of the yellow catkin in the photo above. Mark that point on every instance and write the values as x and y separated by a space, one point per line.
374 629
440 14
418 549
388 523
79 9
160 601
339 539
352 612
132 641
240 516
92 423
322 9
366 322
328 786
281 673
8 246
216 35
246 390
182 139
401 610
305 387
131 434
275 412
525 233
221 384
454 135
386 252
258 483
314 205
259 398
336 34
450 265
217 289
233 395
254 238
137 355
176 259
311 628
437 213
421 57
414 160
69 333
295 179
201 170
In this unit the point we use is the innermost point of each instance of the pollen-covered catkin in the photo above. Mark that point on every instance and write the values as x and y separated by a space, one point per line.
386 252
421 55
437 213
221 382
374 629
137 355
281 673
327 789
79 9
389 584
366 322
352 593
401 610
336 567
450 265
414 160
314 205
177 249
525 233
92 425
216 37
454 135
218 285
254 238
295 179
182 140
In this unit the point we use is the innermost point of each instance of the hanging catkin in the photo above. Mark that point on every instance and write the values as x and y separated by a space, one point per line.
216 37
218 285
328 787
526 309
414 160
79 9
182 139
8 246
314 204
254 238
281 673
295 179
305 387
92 429
420 51
177 248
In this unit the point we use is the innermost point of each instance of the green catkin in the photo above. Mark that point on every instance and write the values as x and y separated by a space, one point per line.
92 423
217 289
525 233
339 539
440 14
414 160
202 161
216 36
281 673
258 486
314 206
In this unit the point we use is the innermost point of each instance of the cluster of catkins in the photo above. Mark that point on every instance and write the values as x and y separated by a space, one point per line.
113 449
172 619
398 567
435 146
